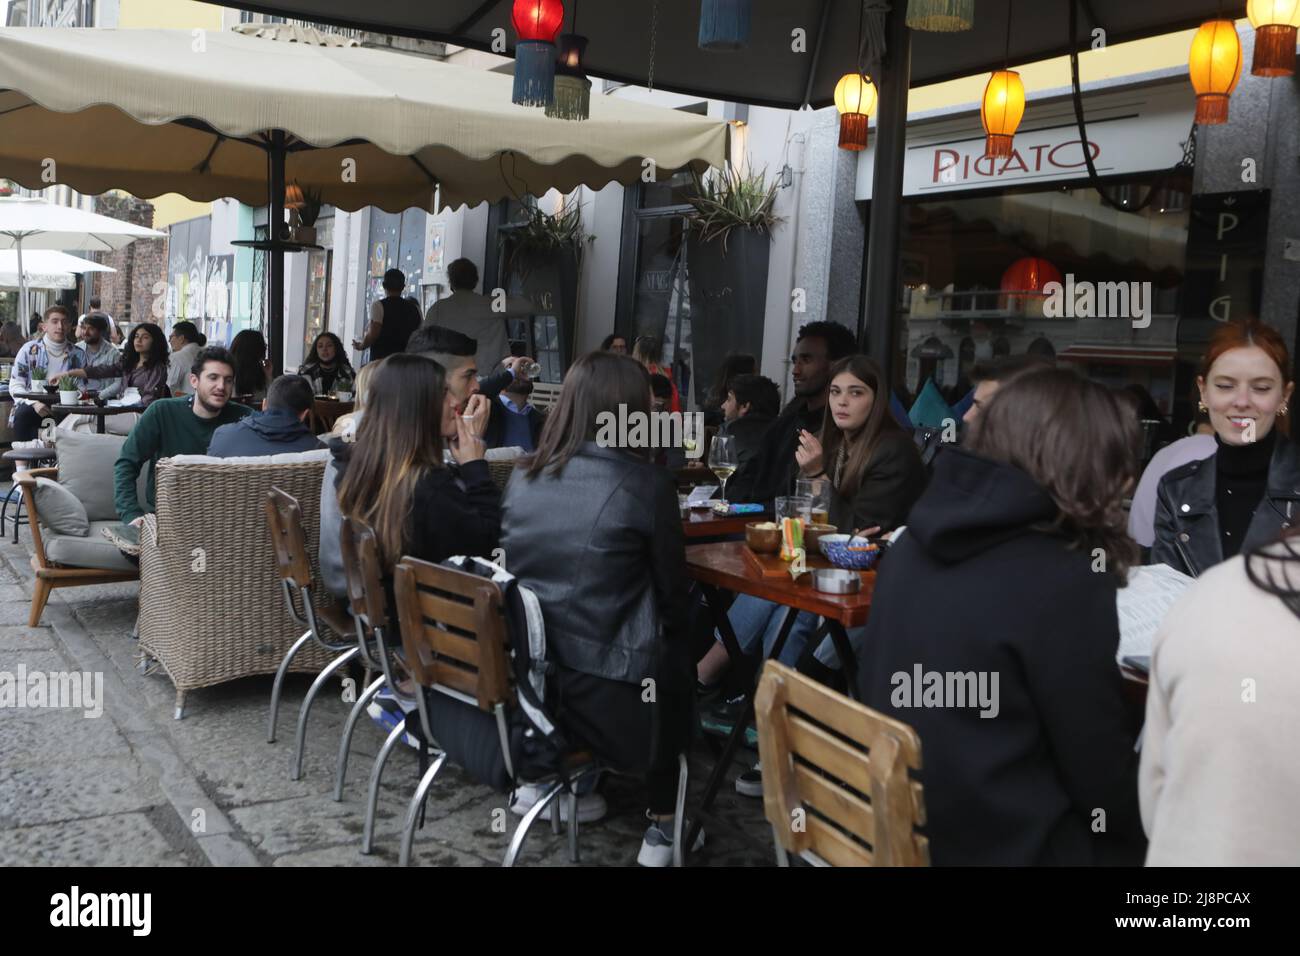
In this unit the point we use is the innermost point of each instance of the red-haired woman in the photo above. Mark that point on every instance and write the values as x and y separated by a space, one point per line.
1248 492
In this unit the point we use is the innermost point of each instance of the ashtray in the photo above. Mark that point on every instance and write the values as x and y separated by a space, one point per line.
836 581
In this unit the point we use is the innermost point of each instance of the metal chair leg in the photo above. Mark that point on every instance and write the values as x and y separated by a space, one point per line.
345 744
679 817
278 684
305 710
573 824
179 711
413 809
555 818
782 858
372 793
521 831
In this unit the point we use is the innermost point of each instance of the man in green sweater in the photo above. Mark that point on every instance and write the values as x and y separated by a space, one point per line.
176 426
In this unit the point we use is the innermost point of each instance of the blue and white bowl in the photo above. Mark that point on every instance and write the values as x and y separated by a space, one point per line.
838 553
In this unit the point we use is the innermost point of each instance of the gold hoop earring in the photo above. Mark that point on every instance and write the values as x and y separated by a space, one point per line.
1205 409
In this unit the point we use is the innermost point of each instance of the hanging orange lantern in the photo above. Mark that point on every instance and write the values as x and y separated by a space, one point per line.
1215 67
855 98
1275 23
1002 111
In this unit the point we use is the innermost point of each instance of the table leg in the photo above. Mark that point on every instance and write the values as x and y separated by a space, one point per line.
101 424
738 730
848 661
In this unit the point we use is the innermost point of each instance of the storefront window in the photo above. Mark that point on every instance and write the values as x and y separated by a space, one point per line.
976 271
319 262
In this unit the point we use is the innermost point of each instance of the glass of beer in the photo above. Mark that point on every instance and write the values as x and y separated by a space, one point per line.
819 491
794 506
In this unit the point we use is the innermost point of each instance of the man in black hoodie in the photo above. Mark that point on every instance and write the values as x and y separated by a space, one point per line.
280 429
771 471
750 406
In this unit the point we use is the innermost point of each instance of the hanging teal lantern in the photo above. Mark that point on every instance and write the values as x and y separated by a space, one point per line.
941 16
536 22
724 24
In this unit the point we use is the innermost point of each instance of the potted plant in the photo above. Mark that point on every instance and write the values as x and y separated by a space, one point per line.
727 258
69 391
38 376
307 214
545 251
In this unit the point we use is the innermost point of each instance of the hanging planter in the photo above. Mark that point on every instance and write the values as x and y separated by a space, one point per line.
1275 23
856 99
536 22
572 100
1215 68
941 16
724 24
1002 110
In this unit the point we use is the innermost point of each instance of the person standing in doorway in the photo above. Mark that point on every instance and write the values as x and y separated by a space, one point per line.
392 320
481 317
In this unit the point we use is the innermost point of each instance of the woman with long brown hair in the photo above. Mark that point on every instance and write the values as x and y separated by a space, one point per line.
994 629
875 474
594 529
1247 492
393 476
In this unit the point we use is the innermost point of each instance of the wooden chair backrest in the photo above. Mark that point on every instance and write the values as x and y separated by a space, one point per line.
453 631
284 518
364 572
835 775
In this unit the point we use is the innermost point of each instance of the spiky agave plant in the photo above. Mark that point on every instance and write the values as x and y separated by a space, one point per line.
727 199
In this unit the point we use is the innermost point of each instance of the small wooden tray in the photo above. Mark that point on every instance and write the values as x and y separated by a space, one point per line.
771 565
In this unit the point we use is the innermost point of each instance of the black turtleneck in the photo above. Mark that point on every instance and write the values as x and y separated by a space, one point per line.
1241 477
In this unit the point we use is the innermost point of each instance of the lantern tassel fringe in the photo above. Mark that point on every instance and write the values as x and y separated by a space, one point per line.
725 24
941 16
1212 109
1274 50
572 99
534 73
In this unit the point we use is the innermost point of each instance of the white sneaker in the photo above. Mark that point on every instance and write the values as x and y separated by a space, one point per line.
657 844
750 783
591 806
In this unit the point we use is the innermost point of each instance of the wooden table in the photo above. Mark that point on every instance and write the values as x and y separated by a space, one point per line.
723 566
326 411
706 523
99 411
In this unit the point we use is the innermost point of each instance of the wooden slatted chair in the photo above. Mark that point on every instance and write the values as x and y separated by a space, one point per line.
379 646
836 787
284 518
455 641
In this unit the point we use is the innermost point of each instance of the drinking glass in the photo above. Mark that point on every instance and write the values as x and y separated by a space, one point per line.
722 460
818 491
794 506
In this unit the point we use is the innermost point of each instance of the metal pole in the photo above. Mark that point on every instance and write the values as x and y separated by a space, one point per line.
880 255
22 286
275 257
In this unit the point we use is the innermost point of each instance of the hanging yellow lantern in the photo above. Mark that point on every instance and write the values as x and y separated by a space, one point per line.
1215 66
1002 111
856 99
1275 23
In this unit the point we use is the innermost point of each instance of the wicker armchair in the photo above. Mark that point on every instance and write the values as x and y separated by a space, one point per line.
211 607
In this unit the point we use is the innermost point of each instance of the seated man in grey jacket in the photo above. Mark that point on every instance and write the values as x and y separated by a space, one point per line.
280 428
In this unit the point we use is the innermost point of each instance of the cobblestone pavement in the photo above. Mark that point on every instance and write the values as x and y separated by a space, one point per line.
134 787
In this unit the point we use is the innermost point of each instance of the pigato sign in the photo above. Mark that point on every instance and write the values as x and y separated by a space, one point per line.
1130 131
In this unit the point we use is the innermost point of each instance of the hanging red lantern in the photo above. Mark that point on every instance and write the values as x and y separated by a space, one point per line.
536 22
1027 278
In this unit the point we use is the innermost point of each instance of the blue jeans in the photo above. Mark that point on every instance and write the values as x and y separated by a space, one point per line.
825 652
755 620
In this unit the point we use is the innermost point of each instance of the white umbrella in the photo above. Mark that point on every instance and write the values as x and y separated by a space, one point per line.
46 268
36 224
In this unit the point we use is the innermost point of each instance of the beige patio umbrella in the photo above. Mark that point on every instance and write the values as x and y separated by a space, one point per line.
153 111
222 114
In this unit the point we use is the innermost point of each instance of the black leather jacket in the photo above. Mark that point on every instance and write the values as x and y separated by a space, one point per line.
601 545
1187 522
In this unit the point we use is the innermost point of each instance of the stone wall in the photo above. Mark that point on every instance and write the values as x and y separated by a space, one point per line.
128 294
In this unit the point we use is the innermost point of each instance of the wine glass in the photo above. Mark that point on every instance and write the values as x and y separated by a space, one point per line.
723 460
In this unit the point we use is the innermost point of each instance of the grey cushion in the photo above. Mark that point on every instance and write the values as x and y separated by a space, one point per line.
59 509
86 469
92 551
